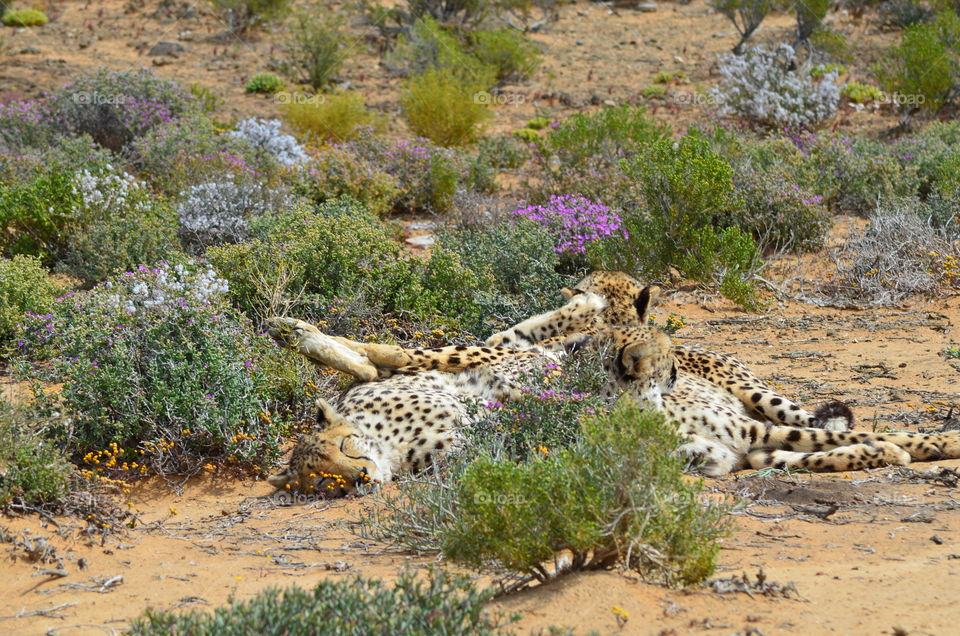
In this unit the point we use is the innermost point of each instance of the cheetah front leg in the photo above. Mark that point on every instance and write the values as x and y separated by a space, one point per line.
737 379
581 313
320 348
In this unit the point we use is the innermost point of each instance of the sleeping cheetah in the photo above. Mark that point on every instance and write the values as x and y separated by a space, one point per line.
412 414
629 303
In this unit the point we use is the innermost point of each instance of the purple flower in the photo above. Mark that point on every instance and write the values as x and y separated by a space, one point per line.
574 221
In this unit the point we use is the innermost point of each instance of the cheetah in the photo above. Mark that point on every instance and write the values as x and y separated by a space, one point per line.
410 404
629 303
409 408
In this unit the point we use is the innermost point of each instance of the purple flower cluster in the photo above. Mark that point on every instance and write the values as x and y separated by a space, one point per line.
575 221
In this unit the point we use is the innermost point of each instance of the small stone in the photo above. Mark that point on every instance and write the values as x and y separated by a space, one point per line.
936 539
422 242
166 48
647 7
580 43
29 50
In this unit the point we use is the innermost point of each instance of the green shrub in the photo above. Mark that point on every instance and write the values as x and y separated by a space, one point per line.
668 77
32 470
24 287
810 13
116 107
428 174
240 15
503 152
444 604
746 16
427 46
339 253
38 217
319 46
516 267
512 55
923 68
205 99
528 135
610 134
582 154
616 497
122 225
654 90
853 173
687 191
861 93
24 17
778 213
439 106
538 123
337 171
265 83
338 117
159 373
926 152
822 70
189 151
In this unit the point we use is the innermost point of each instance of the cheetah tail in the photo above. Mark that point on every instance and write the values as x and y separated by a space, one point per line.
833 416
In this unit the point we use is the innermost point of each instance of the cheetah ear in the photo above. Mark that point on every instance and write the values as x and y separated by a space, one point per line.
570 292
326 416
645 300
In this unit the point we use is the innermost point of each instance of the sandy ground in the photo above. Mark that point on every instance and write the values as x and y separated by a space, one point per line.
592 56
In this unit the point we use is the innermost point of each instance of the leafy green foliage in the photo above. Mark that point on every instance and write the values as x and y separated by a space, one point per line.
923 68
25 286
516 266
615 496
32 470
158 373
36 217
441 107
265 83
428 46
443 605
338 252
24 18
241 15
319 46
687 189
859 93
512 55
336 172
336 118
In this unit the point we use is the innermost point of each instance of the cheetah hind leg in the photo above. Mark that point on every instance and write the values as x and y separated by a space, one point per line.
843 458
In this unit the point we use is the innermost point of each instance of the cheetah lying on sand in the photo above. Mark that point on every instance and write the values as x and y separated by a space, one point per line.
409 406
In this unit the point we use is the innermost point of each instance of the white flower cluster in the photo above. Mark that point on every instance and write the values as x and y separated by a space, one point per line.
766 86
264 135
165 289
218 212
109 193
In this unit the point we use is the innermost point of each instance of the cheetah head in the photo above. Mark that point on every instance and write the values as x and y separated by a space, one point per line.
642 365
628 302
336 460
